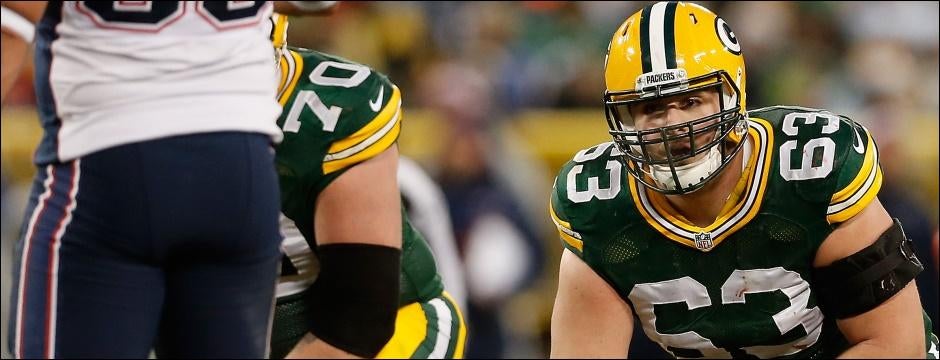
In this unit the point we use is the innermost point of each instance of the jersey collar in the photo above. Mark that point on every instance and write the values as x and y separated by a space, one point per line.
654 208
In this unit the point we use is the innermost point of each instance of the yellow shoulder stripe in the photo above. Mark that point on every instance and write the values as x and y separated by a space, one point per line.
564 230
283 69
382 140
868 165
292 65
380 120
379 134
849 212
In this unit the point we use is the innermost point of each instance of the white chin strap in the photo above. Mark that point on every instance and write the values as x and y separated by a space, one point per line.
689 174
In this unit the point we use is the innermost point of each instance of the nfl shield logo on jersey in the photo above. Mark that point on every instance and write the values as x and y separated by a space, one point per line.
703 241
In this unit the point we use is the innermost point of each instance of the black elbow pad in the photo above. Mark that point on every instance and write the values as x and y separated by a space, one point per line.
354 301
862 281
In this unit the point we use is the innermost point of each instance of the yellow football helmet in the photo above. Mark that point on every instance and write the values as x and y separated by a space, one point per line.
277 23
277 30
667 49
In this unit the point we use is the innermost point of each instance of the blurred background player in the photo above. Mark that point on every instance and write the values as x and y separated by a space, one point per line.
358 278
734 233
426 207
154 205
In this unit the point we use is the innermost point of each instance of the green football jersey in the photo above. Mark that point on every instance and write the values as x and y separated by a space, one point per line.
336 114
742 286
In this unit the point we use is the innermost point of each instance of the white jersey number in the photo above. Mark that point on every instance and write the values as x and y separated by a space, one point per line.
826 147
740 283
328 115
153 16
594 189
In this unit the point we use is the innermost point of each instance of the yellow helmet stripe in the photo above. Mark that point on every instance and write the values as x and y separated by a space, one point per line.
279 30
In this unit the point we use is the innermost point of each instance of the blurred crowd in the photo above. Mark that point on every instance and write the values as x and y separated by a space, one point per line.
479 64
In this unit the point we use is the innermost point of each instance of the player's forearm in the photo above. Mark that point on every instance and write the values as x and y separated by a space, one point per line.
19 19
11 60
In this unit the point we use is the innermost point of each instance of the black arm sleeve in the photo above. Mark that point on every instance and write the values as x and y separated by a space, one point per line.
862 281
355 297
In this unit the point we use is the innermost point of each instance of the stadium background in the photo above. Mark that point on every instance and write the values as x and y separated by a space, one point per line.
499 95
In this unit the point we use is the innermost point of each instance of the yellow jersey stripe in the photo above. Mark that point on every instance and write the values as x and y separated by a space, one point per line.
372 139
284 70
561 224
411 329
293 76
863 201
762 187
462 331
868 165
670 214
575 243
279 33
649 218
391 109
573 238
381 142
872 183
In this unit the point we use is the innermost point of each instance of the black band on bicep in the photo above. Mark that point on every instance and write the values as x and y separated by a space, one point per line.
354 301
862 281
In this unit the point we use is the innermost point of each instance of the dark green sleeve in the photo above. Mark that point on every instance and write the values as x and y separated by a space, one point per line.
559 213
857 176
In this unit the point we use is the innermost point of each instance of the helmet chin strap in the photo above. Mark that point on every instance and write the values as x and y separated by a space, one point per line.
689 174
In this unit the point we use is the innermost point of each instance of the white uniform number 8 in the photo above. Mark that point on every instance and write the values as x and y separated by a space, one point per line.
807 170
741 282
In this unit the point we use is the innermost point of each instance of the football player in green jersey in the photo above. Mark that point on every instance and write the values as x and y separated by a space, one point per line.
357 278
726 232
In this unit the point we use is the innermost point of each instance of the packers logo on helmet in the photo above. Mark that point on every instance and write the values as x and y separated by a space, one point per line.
668 49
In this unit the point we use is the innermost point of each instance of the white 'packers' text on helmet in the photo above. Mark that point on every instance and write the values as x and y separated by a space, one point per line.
668 49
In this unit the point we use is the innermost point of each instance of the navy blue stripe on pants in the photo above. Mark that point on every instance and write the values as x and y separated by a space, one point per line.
171 242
